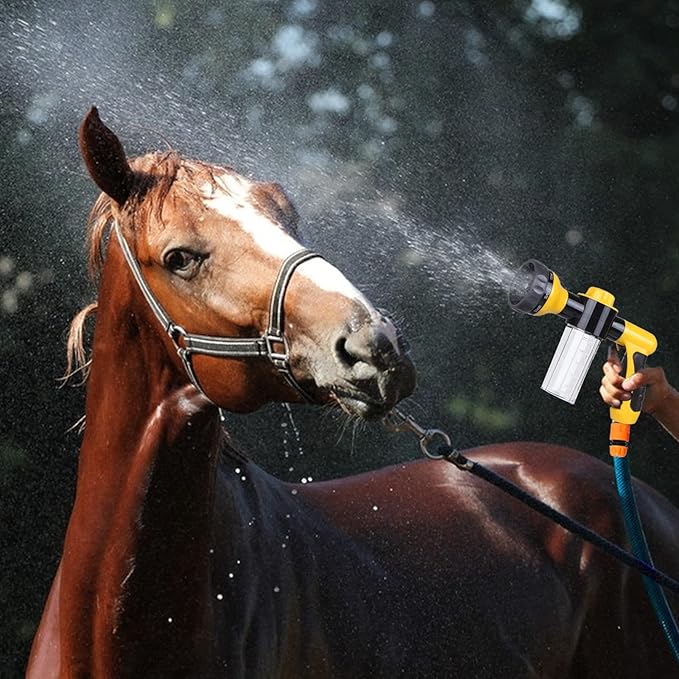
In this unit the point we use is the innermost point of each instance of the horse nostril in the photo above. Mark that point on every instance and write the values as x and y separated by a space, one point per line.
370 359
354 354
343 355
370 348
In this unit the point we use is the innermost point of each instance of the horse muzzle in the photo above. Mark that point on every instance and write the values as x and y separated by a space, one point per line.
372 368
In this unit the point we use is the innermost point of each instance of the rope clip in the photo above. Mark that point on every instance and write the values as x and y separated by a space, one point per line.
397 421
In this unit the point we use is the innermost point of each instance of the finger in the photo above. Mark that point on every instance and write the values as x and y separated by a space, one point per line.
609 398
613 389
613 356
634 382
643 377
612 373
649 376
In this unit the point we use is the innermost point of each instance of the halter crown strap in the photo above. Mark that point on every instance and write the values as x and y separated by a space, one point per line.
272 344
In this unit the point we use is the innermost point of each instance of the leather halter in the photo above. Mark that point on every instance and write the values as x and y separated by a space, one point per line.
272 344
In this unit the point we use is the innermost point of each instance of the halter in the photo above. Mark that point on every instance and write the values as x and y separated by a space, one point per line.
272 344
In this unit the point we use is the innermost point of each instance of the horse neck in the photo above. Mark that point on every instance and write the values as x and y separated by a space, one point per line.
139 536
132 381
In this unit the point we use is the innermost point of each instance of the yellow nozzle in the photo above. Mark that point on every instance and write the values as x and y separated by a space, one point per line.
556 300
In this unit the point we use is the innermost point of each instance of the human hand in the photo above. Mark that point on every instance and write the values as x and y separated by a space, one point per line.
615 388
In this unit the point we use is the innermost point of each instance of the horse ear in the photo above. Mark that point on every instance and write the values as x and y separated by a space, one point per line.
272 199
104 157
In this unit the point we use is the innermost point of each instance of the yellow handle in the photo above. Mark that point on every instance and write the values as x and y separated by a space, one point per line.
639 344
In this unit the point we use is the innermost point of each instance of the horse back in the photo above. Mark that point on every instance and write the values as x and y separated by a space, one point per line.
476 559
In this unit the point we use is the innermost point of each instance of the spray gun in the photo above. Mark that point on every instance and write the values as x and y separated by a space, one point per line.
590 318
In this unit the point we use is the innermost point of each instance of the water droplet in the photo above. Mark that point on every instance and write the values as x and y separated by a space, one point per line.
295 431
220 597
375 508
276 589
294 491
231 575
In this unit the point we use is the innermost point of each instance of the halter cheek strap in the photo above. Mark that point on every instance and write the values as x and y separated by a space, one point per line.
272 344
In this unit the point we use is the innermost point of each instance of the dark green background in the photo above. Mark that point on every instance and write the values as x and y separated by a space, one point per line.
429 146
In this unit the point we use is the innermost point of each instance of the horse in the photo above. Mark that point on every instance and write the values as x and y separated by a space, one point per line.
183 558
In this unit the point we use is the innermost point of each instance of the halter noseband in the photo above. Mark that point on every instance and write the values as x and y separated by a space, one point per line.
188 344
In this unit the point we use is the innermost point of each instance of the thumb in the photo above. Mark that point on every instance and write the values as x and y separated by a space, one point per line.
639 379
654 376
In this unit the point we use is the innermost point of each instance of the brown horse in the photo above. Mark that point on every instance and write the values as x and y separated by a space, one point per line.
184 559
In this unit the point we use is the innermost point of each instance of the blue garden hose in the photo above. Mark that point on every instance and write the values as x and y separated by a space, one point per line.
635 532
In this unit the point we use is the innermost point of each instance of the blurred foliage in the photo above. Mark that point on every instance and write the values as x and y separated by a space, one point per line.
12 459
430 145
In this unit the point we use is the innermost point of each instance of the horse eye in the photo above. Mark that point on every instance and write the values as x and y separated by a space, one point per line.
182 262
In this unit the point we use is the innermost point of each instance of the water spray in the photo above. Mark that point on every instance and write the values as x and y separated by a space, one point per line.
590 319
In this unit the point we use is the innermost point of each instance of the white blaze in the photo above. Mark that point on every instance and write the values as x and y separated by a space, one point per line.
232 200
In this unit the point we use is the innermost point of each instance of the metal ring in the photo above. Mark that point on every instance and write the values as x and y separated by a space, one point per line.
176 332
428 437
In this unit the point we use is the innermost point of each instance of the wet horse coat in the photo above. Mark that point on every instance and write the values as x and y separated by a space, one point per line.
182 558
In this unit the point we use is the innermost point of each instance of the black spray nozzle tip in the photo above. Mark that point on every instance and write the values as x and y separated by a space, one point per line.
530 287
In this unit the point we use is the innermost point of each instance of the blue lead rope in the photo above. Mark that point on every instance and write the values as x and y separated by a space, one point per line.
635 532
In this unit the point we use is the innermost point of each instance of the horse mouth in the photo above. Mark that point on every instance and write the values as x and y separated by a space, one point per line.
366 373
358 404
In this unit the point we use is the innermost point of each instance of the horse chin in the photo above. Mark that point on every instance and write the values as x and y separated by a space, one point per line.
359 405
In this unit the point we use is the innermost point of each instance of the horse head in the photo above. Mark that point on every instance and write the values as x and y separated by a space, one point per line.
208 248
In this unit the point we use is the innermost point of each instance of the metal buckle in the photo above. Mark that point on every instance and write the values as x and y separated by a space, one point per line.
176 332
279 359
397 421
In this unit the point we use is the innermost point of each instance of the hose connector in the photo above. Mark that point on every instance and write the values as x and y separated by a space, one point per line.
618 441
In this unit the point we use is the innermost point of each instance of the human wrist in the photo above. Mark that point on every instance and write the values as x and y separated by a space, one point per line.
667 406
